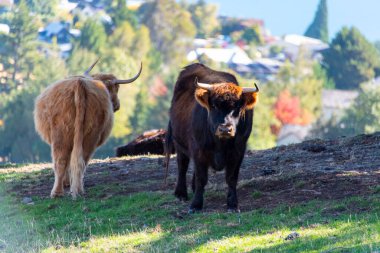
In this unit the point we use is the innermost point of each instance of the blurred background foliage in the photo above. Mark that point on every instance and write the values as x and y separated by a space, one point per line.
160 33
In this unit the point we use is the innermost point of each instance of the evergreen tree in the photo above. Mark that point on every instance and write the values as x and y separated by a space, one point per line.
19 140
93 36
318 28
120 14
18 48
351 59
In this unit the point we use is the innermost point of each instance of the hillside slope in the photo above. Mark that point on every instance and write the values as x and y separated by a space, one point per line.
315 169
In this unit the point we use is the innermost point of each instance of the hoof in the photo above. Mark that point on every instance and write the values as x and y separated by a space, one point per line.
233 210
55 194
194 210
182 196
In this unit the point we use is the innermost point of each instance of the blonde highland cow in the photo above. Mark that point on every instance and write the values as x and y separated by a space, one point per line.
75 116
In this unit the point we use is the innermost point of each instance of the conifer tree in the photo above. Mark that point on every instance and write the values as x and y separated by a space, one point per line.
318 28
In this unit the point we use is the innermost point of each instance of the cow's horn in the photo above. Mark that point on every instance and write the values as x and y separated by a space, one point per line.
129 80
246 89
87 72
204 85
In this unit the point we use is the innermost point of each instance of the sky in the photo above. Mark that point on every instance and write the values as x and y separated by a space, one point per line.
294 16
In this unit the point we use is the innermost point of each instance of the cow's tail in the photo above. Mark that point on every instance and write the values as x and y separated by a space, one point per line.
168 149
77 163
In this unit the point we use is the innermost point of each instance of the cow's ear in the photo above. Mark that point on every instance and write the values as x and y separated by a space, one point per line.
250 99
202 95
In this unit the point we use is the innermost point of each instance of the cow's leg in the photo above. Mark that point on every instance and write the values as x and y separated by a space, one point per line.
66 179
181 187
61 158
193 182
232 174
201 177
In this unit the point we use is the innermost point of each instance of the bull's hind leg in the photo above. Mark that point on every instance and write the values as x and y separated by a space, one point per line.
61 158
181 188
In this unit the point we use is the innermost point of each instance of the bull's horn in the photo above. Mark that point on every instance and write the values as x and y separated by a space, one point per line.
129 80
246 89
87 72
204 85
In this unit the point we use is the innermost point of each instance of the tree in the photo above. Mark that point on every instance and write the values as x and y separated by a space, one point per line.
351 59
204 17
19 140
252 35
318 28
93 36
18 50
45 9
120 13
171 28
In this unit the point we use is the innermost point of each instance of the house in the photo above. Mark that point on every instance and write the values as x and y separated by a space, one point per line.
265 69
290 134
233 55
88 10
292 44
60 33
335 102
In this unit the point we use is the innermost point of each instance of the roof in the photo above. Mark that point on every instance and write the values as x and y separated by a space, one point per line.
339 99
226 55
54 28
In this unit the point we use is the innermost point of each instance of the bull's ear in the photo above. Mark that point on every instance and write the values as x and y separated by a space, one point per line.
202 95
250 99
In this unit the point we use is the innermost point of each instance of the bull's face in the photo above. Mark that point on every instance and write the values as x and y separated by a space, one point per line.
226 103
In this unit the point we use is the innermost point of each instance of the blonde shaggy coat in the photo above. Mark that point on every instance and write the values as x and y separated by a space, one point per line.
75 116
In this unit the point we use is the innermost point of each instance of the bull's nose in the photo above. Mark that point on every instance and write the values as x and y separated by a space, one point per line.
225 129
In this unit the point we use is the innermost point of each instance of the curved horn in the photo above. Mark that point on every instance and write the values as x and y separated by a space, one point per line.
256 89
87 72
204 85
129 80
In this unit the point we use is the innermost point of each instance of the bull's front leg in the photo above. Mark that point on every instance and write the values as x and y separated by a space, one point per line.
201 178
232 175
181 187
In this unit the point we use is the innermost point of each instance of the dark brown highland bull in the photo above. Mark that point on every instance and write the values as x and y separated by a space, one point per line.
75 116
210 122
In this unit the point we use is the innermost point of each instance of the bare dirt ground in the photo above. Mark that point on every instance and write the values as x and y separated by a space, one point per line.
286 175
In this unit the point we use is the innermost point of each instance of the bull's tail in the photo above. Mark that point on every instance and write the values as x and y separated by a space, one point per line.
77 162
168 149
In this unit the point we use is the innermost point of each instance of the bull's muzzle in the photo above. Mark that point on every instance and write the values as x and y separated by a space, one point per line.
225 131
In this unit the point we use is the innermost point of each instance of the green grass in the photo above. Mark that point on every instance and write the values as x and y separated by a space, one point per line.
155 222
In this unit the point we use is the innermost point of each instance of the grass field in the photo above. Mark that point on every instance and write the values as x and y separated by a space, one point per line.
154 221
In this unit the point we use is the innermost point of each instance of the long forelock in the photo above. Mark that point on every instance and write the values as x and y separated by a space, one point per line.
228 92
